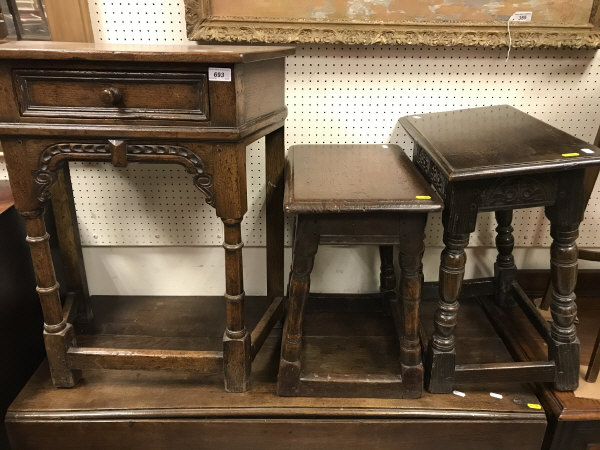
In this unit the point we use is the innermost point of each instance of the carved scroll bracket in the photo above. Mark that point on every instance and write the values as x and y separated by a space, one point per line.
119 153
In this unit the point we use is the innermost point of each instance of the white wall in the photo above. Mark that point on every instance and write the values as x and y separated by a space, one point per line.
146 230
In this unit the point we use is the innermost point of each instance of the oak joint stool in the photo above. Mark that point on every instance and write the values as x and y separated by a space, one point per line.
356 194
500 159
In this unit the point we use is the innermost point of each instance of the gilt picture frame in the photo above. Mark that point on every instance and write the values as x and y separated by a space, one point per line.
573 24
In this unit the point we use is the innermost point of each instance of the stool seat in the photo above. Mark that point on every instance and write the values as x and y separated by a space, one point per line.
354 178
496 141
356 194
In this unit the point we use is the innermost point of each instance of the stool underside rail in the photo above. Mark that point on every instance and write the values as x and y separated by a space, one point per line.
69 307
318 385
513 372
265 325
142 359
498 317
85 358
531 311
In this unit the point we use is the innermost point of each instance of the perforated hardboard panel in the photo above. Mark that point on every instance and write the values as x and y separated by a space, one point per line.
336 94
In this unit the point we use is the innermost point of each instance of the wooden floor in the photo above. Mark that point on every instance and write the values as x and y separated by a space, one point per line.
162 410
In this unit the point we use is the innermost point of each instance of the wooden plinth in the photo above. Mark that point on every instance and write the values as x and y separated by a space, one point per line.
174 410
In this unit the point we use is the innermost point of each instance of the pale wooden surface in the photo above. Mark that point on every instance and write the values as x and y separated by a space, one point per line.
141 53
69 20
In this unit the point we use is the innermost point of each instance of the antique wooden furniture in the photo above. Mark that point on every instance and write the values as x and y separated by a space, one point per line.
20 313
356 194
498 159
123 104
162 410
591 176
573 422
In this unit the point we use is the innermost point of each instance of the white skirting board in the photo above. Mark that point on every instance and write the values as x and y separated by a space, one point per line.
199 270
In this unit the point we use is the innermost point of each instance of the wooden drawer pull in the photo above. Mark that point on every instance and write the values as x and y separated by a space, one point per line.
112 96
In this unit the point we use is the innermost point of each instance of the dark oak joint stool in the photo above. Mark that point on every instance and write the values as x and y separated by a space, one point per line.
500 159
359 194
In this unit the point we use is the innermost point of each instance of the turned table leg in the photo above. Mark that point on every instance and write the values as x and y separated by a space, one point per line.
275 220
236 341
58 334
306 242
505 270
410 254
563 347
441 356
565 216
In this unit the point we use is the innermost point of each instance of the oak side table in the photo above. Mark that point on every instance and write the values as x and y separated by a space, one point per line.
499 159
197 106
356 194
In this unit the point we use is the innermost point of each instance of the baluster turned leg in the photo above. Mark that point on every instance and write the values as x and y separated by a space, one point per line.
58 334
410 297
236 341
441 356
306 242
563 347
505 270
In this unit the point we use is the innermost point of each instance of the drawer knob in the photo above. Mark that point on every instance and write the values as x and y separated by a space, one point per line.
112 96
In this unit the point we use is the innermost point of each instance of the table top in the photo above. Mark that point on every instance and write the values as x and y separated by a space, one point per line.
355 178
496 141
141 53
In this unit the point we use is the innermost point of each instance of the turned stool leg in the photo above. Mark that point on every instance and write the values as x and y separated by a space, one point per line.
58 334
505 270
441 355
306 242
387 276
410 295
236 341
563 347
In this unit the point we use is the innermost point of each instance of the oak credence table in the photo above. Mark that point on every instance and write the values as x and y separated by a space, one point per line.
498 159
66 102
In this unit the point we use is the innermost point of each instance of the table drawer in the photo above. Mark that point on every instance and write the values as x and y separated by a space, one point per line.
112 95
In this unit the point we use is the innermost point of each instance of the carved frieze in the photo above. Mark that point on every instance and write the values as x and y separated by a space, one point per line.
430 170
238 30
45 176
518 192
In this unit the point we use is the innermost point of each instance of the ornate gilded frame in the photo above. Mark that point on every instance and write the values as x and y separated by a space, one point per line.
202 26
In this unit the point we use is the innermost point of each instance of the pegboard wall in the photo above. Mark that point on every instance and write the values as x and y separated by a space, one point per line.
336 94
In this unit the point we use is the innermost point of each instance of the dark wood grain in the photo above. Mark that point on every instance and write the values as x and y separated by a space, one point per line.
513 372
574 422
359 194
496 141
163 410
499 159
354 178
131 104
